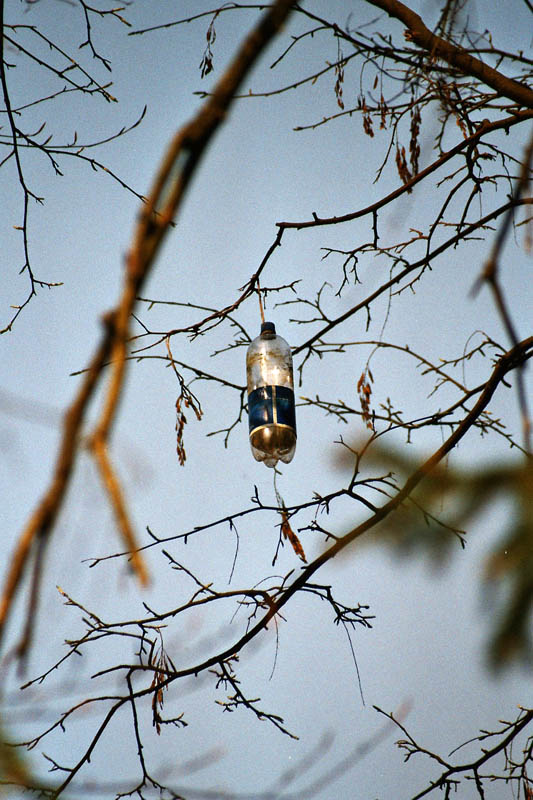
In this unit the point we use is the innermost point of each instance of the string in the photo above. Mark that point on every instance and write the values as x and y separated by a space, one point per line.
279 499
261 309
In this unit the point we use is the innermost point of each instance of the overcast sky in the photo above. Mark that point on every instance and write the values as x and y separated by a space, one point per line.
425 653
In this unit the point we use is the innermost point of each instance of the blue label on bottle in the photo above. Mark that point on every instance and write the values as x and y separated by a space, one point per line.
271 405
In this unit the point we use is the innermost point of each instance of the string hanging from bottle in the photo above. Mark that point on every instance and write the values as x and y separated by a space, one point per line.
261 309
286 532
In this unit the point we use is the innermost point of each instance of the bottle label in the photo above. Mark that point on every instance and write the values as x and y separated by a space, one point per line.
271 405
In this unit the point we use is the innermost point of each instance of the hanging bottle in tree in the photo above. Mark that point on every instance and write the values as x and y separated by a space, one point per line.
271 397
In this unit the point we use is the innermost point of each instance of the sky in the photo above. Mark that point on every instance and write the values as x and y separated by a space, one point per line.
425 653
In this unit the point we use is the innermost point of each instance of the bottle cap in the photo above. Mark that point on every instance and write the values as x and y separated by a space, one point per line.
268 326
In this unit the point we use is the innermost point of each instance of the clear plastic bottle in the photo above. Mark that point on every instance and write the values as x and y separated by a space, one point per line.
271 412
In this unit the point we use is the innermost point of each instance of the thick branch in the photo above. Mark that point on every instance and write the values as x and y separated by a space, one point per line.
42 520
456 56
176 170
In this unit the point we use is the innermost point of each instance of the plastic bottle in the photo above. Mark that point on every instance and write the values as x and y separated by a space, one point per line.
271 398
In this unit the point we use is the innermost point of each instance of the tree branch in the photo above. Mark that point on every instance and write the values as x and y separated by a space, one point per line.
456 56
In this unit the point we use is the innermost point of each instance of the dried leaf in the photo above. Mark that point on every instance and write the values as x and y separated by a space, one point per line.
401 164
289 534
414 146
364 390
189 400
206 64
383 110
160 662
339 72
367 120
181 421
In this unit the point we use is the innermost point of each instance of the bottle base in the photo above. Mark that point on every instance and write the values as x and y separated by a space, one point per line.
273 443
